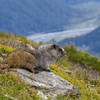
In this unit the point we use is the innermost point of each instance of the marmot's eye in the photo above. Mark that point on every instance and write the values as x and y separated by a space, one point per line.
60 50
54 46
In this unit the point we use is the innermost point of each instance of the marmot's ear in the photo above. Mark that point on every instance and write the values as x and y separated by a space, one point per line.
54 46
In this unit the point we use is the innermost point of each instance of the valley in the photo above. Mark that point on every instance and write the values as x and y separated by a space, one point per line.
58 36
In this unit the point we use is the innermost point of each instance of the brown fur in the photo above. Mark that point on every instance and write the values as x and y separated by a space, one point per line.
19 59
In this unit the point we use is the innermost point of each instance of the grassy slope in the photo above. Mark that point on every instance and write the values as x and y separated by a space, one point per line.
84 58
13 86
82 81
11 36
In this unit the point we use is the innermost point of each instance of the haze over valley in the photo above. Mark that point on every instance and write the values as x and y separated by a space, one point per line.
58 36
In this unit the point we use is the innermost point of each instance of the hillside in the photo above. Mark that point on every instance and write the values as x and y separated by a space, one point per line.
90 41
33 16
79 68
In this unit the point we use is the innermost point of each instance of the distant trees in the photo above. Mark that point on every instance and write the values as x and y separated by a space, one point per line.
91 40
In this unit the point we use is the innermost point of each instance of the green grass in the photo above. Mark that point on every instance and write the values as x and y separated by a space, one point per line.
11 36
81 57
5 49
77 78
13 86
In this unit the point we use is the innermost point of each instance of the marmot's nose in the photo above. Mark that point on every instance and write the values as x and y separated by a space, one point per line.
64 52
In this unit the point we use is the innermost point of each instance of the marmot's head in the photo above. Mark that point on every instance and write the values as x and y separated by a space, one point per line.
57 51
52 50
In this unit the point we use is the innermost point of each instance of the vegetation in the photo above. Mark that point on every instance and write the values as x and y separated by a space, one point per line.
81 57
11 86
5 49
11 36
79 78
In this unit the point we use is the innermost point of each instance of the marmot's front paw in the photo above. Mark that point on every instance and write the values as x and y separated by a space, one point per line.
36 71
48 70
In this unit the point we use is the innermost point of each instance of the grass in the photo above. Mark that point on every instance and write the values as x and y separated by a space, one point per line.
14 87
79 79
83 58
11 36
5 49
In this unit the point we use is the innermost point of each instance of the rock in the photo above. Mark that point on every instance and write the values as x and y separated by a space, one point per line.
3 55
13 43
10 97
48 84
68 71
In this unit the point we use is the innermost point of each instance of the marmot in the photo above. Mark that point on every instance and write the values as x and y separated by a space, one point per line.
33 59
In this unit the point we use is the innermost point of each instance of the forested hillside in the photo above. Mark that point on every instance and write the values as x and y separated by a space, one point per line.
25 16
90 41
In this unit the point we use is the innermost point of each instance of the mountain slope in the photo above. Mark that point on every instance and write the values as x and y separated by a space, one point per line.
33 16
87 80
91 40
24 16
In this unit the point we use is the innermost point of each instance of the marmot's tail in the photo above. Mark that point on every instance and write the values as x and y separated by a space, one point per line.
3 66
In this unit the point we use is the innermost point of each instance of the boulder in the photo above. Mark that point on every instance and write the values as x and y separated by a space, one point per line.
48 84
68 71
13 43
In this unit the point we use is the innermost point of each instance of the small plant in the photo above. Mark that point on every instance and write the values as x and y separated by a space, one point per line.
5 49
